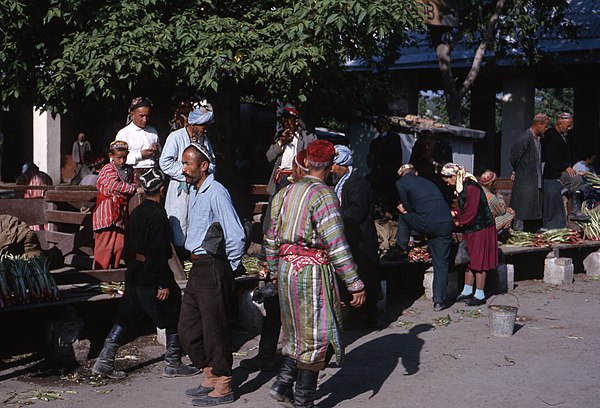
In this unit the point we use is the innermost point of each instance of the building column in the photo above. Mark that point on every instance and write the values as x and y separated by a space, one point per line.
46 143
586 115
483 117
517 111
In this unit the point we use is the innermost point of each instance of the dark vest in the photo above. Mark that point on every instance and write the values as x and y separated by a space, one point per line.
484 218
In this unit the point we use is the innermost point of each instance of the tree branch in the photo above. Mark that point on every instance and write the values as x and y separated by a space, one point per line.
488 38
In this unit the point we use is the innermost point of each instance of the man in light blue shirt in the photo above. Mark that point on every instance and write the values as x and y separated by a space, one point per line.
216 242
177 199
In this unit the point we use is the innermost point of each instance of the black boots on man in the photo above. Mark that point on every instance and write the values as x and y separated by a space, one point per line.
576 213
105 363
306 389
173 365
282 389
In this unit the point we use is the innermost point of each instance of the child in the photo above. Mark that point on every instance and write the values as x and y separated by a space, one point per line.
150 288
115 188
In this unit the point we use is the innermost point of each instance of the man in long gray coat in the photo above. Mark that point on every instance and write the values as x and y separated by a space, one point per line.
526 161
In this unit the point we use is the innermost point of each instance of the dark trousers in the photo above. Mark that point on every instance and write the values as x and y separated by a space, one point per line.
271 327
439 240
207 306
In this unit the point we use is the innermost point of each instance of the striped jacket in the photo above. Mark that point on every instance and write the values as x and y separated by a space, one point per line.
114 192
307 214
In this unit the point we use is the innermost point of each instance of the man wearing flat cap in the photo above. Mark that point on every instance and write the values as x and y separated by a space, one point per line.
304 247
289 142
176 203
558 165
150 287
357 208
144 146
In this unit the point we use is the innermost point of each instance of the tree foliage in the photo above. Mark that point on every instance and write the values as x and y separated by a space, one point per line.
59 52
501 28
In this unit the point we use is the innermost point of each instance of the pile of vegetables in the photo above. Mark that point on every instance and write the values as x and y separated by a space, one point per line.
419 254
24 281
591 228
253 265
593 179
544 239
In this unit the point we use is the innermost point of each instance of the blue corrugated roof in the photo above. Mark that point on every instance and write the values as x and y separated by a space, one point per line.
586 49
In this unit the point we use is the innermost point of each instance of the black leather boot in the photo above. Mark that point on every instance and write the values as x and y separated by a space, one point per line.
105 363
282 389
173 365
576 213
306 389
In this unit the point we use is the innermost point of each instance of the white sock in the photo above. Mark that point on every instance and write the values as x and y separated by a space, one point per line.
467 290
479 294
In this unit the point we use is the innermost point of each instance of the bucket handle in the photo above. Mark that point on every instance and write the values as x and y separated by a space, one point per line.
504 294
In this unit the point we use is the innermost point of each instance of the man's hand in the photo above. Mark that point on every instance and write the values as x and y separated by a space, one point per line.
401 209
512 176
147 153
285 137
162 294
571 171
358 298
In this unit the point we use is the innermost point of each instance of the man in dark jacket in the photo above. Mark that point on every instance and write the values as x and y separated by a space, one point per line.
429 154
356 202
558 165
423 209
150 288
384 158
526 161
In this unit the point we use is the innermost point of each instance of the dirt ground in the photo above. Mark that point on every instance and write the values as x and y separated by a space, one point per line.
422 359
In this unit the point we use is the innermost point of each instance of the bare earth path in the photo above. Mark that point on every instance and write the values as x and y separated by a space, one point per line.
422 359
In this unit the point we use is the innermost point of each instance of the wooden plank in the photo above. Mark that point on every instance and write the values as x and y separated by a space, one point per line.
259 189
260 208
67 242
68 217
72 275
71 196
28 210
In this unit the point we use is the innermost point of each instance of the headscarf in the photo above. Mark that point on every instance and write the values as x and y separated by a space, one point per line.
202 114
343 157
404 168
452 169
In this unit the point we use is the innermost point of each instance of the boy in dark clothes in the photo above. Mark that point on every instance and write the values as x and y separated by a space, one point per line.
150 288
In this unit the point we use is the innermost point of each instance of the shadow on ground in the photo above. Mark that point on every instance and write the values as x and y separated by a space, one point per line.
367 367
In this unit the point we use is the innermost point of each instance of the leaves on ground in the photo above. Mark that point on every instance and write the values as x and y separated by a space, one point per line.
442 321
472 313
405 324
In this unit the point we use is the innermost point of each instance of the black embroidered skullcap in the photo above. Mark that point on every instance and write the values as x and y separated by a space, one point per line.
152 180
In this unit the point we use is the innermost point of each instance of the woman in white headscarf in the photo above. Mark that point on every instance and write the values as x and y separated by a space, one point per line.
474 217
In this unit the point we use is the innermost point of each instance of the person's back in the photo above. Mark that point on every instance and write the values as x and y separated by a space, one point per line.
422 197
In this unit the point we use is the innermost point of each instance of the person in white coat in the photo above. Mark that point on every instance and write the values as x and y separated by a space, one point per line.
176 202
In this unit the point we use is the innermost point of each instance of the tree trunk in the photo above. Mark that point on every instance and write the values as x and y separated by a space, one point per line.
224 138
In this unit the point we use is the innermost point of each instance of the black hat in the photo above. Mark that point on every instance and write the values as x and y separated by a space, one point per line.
152 180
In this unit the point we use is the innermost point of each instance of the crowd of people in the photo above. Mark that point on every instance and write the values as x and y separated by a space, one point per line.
320 245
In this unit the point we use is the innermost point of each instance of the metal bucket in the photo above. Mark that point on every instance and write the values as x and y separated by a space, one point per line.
502 318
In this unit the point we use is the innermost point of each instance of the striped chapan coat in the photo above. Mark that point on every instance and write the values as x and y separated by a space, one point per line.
307 214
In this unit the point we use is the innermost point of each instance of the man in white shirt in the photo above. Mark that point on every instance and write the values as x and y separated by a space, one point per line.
144 147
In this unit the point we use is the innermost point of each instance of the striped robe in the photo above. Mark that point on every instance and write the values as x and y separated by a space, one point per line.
307 213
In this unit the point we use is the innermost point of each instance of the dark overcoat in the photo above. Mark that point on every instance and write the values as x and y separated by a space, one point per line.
525 198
